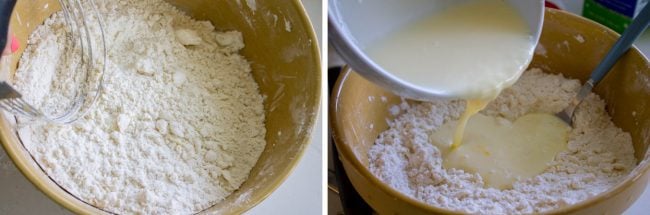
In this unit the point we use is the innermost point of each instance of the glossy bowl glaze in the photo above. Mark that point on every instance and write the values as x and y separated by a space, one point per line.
570 45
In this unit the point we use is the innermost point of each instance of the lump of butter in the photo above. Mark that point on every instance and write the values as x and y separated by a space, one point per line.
188 37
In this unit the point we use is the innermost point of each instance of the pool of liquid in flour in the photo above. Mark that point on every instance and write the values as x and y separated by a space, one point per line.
474 51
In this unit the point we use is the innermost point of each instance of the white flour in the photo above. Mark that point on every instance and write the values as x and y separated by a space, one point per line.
599 154
177 129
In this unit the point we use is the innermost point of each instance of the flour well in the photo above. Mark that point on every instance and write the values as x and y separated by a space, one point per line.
599 154
178 127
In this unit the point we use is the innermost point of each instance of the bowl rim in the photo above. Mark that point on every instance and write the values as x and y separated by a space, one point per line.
347 152
8 134
307 139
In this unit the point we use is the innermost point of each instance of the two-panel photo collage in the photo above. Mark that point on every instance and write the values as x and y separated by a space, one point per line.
324 107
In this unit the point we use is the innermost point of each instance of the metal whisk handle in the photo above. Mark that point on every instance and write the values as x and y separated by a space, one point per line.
12 101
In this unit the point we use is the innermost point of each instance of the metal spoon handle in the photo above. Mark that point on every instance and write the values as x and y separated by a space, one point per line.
622 45
633 31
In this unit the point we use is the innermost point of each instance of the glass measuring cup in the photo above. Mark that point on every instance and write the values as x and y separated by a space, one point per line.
85 49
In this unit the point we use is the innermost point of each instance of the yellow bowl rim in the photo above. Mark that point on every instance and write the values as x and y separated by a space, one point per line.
31 175
348 153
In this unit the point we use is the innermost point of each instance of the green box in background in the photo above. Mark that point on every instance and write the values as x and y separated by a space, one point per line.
615 14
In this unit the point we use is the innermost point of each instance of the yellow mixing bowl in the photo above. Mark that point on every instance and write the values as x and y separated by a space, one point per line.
626 89
285 64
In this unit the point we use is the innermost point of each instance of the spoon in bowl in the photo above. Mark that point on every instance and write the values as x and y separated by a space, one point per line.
622 45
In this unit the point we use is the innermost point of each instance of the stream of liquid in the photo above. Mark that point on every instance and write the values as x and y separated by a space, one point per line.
474 51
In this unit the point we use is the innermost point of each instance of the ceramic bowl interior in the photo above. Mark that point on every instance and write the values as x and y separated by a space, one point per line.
572 46
285 63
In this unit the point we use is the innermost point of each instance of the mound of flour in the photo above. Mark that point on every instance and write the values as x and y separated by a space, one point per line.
599 154
177 129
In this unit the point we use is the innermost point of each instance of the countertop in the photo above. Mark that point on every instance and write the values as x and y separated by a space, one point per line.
299 194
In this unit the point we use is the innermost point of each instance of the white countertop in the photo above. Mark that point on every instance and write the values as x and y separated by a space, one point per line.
299 194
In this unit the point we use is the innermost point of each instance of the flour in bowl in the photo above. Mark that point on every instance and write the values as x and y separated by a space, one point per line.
178 127
599 154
